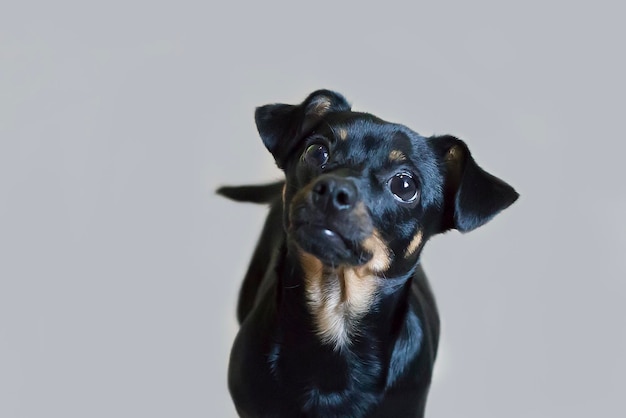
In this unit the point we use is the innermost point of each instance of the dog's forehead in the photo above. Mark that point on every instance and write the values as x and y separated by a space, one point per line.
362 136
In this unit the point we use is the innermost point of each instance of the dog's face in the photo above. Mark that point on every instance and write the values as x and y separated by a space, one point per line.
361 191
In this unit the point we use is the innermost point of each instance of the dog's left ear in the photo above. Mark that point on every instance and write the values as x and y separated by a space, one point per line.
471 195
280 125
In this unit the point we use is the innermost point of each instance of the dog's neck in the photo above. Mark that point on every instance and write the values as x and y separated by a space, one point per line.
343 303
338 299
342 326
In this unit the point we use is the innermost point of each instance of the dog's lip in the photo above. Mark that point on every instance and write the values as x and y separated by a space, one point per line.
335 236
324 229
344 249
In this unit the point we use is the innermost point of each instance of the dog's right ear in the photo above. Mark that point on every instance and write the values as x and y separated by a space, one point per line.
280 125
472 195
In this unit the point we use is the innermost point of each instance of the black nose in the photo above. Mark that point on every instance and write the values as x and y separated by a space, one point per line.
334 193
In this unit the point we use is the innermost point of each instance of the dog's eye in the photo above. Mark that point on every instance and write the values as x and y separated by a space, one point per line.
316 155
403 187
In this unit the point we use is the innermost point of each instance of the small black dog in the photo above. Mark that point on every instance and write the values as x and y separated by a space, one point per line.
337 317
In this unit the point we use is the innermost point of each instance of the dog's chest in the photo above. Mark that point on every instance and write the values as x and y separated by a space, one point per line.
327 383
337 300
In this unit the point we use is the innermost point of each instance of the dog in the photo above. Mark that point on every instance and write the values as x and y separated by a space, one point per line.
337 318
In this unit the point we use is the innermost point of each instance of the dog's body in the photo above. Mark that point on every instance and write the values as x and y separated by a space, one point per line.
337 317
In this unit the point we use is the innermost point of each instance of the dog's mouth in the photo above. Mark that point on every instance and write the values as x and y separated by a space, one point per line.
328 244
328 220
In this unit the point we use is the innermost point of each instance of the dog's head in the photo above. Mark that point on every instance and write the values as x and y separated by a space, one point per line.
364 192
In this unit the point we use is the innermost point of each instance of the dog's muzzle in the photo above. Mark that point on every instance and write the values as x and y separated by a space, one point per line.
333 194
330 220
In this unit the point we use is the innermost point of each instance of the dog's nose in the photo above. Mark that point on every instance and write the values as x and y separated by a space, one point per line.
334 193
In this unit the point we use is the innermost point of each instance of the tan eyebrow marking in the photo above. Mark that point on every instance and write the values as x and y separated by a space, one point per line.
453 153
414 244
343 134
397 155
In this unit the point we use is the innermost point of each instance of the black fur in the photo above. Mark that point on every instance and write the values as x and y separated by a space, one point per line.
258 193
342 214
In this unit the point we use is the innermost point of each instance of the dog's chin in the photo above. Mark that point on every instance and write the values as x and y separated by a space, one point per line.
329 246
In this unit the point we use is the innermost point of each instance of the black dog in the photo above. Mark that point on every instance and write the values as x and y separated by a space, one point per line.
337 317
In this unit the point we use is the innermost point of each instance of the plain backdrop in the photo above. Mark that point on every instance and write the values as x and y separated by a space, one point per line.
119 267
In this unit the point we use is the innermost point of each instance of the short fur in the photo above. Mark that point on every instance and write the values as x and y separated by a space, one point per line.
337 317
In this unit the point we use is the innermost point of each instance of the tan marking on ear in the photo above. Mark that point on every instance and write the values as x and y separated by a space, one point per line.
397 155
343 134
284 193
454 153
319 106
414 244
338 298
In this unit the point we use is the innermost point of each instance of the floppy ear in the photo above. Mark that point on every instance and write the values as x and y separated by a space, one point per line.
280 125
471 195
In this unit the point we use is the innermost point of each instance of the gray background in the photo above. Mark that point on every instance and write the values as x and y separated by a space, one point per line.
119 268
